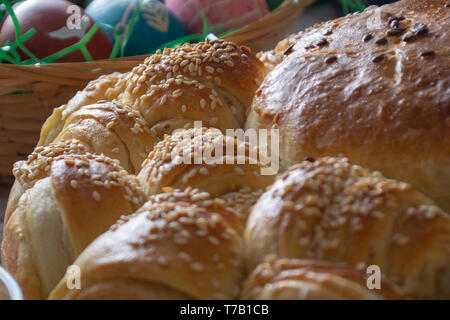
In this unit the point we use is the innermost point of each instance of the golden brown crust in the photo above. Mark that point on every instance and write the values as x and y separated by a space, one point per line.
37 167
127 289
209 81
183 249
202 199
61 214
384 104
16 258
332 210
292 279
112 129
93 192
172 163
106 87
36 267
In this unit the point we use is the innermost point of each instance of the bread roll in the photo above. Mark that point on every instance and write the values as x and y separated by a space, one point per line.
106 87
61 214
198 158
37 167
292 279
166 250
332 210
4 295
375 92
213 82
111 129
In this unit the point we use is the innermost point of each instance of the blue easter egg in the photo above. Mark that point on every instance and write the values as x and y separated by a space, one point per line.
154 25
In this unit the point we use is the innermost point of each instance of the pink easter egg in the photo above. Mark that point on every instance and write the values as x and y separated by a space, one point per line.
221 14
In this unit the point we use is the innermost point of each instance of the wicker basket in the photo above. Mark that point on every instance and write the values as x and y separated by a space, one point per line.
49 86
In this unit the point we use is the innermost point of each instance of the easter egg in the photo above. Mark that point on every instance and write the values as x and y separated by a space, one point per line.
4 13
221 15
58 24
154 25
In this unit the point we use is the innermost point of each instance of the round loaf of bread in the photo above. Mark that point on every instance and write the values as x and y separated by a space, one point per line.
374 87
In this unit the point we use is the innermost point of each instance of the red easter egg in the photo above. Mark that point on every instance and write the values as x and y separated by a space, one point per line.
7 14
220 14
58 25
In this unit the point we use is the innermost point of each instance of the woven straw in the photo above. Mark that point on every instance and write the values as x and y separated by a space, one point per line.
49 86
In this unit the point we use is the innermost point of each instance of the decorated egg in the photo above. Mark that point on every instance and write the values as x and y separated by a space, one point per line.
221 15
58 24
154 25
